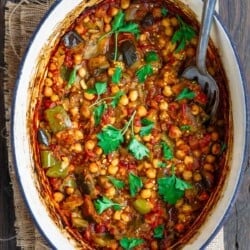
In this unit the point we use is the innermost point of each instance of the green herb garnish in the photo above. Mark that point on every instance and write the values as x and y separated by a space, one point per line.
138 150
185 127
98 112
161 164
147 127
143 72
110 139
99 88
172 188
72 76
116 182
130 243
116 77
104 203
135 184
183 35
116 98
164 11
168 153
186 93
151 56
158 232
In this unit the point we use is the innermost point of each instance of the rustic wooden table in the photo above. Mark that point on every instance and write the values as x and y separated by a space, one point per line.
234 14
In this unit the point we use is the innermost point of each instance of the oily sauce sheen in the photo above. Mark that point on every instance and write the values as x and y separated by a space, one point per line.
125 145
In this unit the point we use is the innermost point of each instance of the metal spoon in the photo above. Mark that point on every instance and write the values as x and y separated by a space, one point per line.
199 71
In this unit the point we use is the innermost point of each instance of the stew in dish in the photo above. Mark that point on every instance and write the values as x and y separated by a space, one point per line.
126 146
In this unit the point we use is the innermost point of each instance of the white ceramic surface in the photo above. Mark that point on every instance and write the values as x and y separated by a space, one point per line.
21 145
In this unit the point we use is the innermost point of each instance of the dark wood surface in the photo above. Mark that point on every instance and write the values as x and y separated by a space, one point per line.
235 16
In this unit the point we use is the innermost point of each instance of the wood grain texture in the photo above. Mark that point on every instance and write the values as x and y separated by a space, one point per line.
234 14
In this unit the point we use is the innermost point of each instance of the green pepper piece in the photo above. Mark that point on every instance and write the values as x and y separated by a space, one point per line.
47 159
58 118
69 182
57 171
142 206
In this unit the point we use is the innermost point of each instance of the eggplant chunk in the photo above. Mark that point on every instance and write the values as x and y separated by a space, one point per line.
148 20
72 39
43 137
128 52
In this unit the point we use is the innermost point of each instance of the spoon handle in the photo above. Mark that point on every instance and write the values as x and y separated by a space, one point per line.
207 17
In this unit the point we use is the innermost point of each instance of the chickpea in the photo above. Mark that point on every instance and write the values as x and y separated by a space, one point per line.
114 89
48 82
107 27
180 154
124 100
141 111
188 160
107 19
174 21
169 31
88 96
58 196
113 11
70 190
86 19
111 192
77 147
167 91
54 98
214 136
195 109
197 177
93 167
85 112
52 67
146 193
179 203
208 167
210 158
133 95
186 209
143 37
190 52
112 169
82 72
151 173
48 92
125 4
77 58
187 175
154 245
90 144
163 106
98 150
117 215
149 184
125 217
147 138
174 132
216 148
165 22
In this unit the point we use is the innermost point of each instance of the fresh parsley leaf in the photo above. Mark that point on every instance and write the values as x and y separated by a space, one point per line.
164 11
130 243
104 203
110 139
161 164
99 88
171 188
147 127
118 21
116 182
135 184
138 150
183 35
116 77
151 56
98 112
72 76
168 153
130 28
186 93
116 98
143 72
158 232
185 127
223 147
